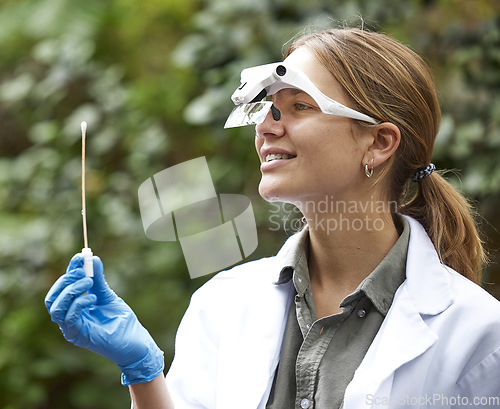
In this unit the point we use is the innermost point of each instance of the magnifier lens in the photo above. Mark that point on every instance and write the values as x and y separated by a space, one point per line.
248 114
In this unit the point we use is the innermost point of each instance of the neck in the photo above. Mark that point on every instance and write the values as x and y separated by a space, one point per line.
345 246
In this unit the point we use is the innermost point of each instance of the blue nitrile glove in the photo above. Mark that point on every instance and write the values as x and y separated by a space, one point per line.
102 322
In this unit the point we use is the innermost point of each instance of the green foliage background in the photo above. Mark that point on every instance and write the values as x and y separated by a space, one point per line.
153 81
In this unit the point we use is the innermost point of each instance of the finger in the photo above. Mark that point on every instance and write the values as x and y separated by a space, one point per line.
75 262
71 276
73 321
61 304
62 282
101 288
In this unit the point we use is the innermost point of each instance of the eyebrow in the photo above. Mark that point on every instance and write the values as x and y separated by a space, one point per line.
292 92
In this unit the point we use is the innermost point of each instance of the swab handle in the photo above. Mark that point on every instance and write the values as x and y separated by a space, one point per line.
88 264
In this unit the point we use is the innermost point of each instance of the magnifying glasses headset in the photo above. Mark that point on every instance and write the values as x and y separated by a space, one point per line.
265 80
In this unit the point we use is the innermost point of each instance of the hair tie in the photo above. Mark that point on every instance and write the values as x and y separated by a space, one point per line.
423 173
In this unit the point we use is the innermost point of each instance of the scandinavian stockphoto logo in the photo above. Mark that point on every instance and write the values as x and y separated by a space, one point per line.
180 204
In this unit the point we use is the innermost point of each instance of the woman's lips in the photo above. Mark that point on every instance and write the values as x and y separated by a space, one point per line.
278 156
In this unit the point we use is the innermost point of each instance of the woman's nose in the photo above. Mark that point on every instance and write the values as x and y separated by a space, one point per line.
272 124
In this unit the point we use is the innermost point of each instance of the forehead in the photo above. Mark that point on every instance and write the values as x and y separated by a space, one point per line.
305 60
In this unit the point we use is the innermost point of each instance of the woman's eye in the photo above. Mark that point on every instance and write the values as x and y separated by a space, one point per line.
301 107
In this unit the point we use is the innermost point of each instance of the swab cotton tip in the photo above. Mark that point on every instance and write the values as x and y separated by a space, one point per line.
84 126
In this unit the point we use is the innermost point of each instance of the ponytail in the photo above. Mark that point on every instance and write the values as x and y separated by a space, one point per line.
449 220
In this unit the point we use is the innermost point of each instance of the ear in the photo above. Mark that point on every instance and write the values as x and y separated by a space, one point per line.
386 138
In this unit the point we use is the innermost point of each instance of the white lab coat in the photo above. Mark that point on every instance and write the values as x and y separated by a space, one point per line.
438 347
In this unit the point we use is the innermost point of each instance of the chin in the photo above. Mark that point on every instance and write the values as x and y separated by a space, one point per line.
273 193
269 194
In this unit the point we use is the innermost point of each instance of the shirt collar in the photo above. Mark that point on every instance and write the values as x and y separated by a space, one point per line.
293 255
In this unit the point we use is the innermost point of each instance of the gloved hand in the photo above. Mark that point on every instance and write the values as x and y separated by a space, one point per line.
102 322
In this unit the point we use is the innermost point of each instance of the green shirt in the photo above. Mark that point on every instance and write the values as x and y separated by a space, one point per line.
319 357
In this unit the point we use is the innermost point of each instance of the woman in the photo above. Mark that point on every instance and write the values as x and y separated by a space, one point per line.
372 304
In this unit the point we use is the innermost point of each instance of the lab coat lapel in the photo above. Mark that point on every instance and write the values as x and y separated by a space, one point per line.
249 353
404 335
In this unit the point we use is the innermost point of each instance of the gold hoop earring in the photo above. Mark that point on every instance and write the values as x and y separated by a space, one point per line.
369 172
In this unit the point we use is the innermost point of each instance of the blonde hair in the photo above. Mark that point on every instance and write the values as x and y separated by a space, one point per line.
389 82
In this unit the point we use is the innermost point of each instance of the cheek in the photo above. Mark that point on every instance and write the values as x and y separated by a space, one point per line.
330 148
258 144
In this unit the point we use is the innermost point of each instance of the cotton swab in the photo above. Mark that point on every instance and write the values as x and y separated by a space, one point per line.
88 265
